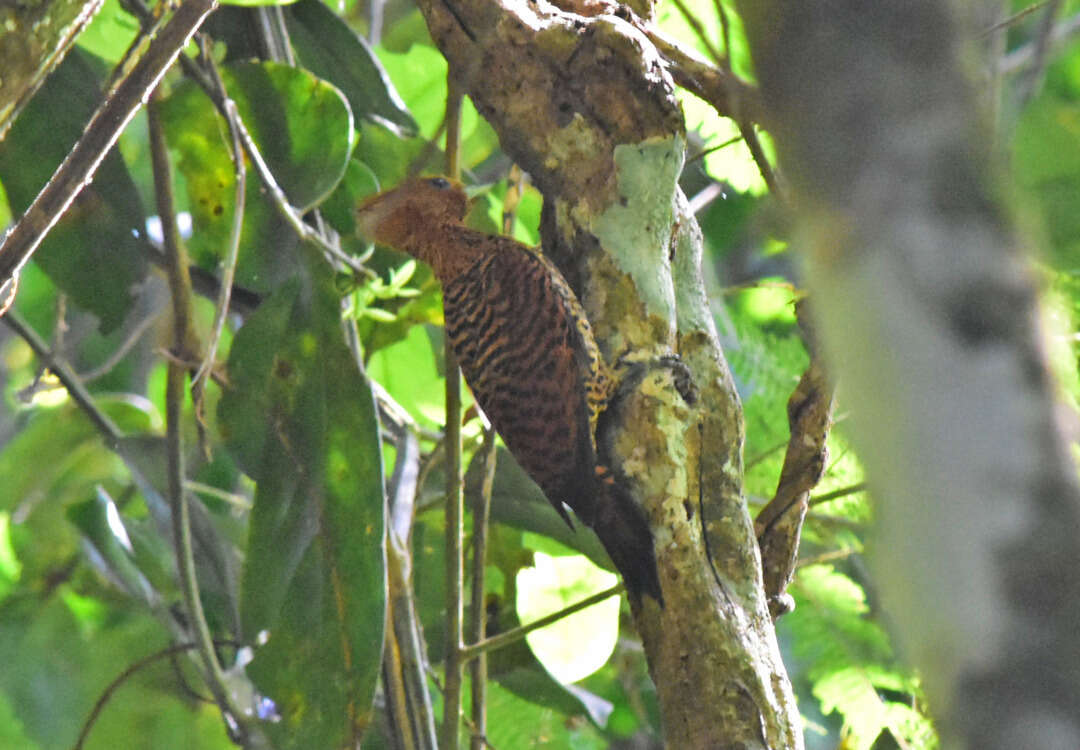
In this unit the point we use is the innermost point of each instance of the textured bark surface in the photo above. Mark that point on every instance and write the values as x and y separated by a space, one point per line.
930 321
583 103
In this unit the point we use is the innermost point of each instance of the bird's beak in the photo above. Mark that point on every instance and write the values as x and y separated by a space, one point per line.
369 214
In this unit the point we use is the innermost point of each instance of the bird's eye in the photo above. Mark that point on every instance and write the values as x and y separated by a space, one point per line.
439 183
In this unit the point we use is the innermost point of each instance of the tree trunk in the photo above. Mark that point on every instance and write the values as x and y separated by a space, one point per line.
581 101
930 321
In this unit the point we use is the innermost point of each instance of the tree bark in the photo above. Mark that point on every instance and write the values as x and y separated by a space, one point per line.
930 319
581 100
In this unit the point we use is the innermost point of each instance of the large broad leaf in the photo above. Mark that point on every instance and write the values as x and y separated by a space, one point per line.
303 127
300 417
330 49
92 253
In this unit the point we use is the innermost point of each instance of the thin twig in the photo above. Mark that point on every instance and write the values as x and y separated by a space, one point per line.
75 388
728 94
478 626
1018 58
128 673
232 252
699 31
1033 81
835 494
746 128
512 636
827 557
454 497
121 103
180 286
277 196
121 351
725 32
235 499
757 151
1013 19
700 155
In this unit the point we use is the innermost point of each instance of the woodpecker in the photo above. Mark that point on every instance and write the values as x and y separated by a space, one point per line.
528 353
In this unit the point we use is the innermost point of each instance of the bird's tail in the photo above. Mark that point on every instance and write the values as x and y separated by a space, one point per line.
624 531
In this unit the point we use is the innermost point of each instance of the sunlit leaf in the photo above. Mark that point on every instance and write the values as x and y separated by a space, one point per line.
579 644
359 182
516 722
110 33
333 51
847 654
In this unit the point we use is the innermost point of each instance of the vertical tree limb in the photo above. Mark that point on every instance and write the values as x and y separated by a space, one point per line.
929 317
779 524
455 500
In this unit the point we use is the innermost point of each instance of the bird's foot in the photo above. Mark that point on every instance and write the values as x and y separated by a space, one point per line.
631 373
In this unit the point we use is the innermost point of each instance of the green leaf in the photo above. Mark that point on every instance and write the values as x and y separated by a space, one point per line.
519 723
303 127
338 209
420 77
56 664
68 454
302 124
300 417
1046 157
215 556
256 3
579 644
408 370
110 33
101 525
12 733
92 253
333 51
847 655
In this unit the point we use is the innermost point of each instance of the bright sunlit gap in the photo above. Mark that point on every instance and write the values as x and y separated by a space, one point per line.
575 646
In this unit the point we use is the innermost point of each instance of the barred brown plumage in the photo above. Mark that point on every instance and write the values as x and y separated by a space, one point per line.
528 353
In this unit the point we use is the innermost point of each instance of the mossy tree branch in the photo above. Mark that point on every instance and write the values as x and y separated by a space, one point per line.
585 105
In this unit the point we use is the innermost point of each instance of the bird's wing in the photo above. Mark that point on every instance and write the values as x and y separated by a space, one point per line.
519 348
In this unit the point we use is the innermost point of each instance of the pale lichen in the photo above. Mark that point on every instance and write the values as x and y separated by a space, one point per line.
636 227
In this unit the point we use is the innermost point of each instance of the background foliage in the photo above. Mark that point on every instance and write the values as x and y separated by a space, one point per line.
87 578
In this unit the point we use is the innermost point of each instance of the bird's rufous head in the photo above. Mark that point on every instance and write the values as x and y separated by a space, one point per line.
397 217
